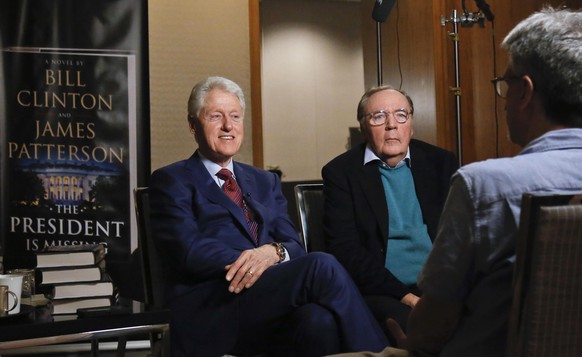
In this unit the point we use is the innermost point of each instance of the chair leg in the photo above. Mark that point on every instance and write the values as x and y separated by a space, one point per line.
160 346
121 345
94 347
166 344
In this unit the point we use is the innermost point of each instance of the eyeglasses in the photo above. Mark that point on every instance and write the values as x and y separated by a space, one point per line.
501 86
379 117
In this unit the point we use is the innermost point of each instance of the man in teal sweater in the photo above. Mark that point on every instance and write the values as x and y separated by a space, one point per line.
383 200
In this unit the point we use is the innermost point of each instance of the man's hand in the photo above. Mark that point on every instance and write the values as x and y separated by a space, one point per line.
249 267
410 299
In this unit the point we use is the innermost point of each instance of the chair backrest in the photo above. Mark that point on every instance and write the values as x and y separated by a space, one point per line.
288 189
150 261
546 315
309 198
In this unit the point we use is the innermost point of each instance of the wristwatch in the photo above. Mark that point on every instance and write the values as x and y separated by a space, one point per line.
281 252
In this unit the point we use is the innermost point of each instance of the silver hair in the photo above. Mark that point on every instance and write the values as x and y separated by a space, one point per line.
547 46
202 88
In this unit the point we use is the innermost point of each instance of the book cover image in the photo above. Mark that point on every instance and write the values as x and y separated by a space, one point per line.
68 151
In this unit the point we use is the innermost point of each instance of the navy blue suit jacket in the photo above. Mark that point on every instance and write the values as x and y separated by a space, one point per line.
356 212
199 230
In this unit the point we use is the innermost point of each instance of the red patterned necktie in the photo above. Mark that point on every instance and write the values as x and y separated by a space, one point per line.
230 187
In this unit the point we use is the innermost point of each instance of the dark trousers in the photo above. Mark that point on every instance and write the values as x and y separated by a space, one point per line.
308 306
384 307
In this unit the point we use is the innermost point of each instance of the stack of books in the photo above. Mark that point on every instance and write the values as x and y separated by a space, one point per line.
74 277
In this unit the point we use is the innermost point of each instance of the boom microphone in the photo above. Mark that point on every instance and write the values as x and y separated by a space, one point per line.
382 9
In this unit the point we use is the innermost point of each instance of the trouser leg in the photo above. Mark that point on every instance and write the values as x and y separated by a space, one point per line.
315 278
385 307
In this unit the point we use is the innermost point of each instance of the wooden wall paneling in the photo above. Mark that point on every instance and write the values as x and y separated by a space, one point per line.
504 22
468 56
408 60
485 70
483 116
444 72
392 45
415 32
445 40
478 94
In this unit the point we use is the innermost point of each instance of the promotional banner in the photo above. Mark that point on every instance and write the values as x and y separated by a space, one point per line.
73 117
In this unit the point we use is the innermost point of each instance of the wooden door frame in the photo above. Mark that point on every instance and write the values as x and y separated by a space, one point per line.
255 63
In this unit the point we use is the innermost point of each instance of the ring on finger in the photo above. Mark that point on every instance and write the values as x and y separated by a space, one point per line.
250 273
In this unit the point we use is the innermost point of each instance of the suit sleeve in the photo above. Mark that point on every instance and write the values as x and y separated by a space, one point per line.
279 224
178 236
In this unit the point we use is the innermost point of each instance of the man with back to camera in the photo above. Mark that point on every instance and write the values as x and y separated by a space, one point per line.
467 278
383 200
239 280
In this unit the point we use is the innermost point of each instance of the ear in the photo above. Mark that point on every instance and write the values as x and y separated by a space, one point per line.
527 94
364 131
191 124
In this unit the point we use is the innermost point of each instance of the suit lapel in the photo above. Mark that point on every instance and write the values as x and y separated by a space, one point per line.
368 177
207 187
374 192
420 175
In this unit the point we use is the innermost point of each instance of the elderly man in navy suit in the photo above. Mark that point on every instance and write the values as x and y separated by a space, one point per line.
239 279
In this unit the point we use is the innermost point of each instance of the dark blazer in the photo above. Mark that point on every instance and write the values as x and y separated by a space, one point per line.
199 230
356 213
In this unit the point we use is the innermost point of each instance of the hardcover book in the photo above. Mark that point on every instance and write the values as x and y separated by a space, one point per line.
79 290
70 306
57 275
70 255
